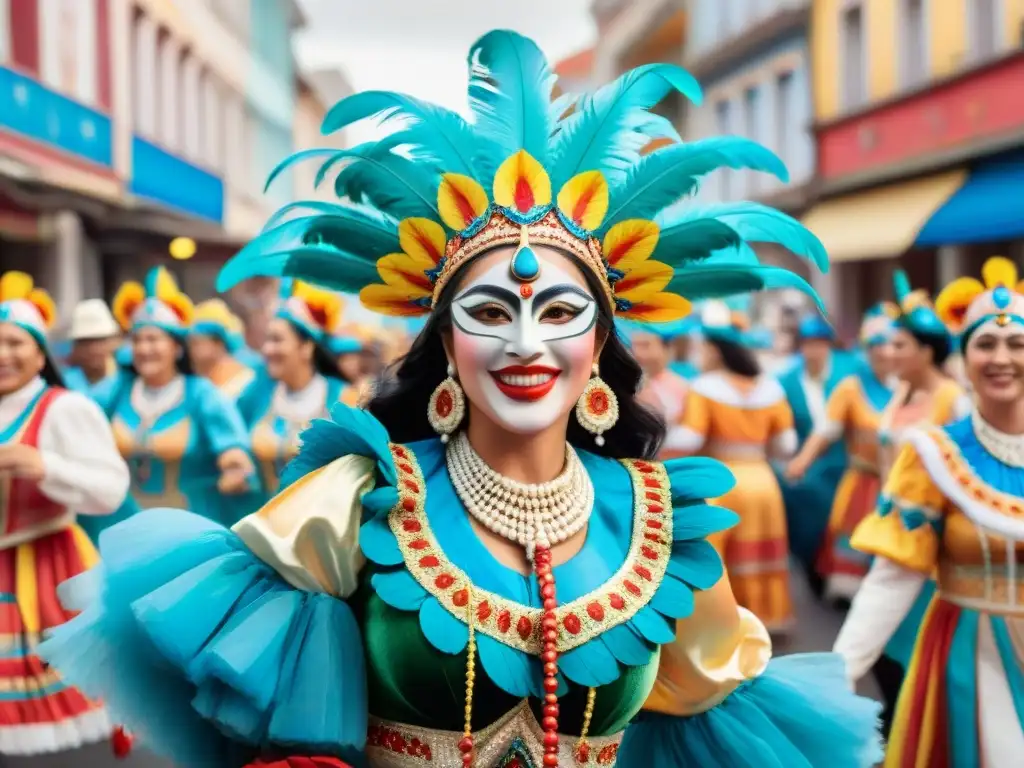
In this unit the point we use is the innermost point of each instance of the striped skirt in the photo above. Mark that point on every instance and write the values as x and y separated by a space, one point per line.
38 712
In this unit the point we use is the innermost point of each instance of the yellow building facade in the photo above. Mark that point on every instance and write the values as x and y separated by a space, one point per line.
948 42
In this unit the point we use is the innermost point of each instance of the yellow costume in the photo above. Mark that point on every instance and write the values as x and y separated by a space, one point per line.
742 423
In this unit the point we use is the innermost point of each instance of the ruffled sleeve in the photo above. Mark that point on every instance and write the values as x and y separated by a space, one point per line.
905 527
719 700
691 433
219 418
165 633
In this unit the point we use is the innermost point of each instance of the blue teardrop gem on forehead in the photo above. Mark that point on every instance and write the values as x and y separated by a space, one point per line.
525 265
1001 297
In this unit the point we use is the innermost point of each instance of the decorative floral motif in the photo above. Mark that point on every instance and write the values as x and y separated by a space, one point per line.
386 737
597 409
517 625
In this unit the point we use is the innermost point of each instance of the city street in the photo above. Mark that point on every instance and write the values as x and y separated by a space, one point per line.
817 628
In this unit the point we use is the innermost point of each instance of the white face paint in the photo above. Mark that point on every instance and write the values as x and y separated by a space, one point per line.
524 360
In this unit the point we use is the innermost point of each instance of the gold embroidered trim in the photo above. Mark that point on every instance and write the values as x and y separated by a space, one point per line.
517 625
980 492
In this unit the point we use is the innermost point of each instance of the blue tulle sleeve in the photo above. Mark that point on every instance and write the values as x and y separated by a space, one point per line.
205 652
798 713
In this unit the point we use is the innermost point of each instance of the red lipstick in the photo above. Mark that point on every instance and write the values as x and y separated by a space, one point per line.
526 383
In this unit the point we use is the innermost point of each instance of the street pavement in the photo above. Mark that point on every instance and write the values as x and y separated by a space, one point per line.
816 628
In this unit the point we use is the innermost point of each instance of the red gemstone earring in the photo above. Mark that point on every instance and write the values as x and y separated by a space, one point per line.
447 406
597 410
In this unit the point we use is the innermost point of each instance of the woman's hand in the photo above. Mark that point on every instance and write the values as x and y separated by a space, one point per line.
235 470
796 469
22 461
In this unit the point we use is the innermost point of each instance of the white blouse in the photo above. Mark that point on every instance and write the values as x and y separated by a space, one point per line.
83 469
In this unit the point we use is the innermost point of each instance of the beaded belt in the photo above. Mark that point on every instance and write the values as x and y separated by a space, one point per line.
514 741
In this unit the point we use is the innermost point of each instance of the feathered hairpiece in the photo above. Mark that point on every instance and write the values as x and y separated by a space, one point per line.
967 303
528 170
214 318
917 314
878 323
26 306
157 303
313 310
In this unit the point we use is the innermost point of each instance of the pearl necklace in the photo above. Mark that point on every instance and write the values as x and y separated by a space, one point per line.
1009 449
533 516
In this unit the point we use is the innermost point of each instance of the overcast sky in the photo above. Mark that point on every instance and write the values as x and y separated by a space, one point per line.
420 46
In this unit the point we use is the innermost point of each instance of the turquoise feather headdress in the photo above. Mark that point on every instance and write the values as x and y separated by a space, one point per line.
917 314
528 169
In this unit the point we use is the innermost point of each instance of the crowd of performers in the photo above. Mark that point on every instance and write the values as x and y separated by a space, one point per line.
502 543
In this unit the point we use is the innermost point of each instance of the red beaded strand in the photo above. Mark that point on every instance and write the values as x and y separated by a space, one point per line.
549 656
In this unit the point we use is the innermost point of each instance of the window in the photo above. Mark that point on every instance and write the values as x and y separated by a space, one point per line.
723 117
235 147
5 30
69 36
212 115
145 86
751 128
854 74
783 113
170 103
984 28
914 47
191 113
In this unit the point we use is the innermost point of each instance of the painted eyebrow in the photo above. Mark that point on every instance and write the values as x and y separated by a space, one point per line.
494 292
558 290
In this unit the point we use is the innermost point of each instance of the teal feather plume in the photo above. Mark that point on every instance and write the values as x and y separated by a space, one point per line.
694 239
654 126
373 219
719 281
753 222
510 95
663 177
294 159
149 284
391 183
441 133
901 284
562 106
589 139
337 251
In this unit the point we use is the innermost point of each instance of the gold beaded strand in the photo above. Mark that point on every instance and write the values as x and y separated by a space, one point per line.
466 744
582 746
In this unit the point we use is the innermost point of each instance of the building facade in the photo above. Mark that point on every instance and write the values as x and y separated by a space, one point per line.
920 134
753 61
126 123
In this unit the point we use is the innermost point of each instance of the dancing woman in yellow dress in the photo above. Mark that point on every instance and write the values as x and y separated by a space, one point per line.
853 412
738 415
953 509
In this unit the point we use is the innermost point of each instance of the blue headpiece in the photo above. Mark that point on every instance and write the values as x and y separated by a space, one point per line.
528 169
155 303
966 304
813 326
878 324
917 314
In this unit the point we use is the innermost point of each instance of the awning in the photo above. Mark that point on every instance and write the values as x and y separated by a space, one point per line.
882 222
989 207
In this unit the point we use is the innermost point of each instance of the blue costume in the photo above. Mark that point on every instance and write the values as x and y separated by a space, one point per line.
809 501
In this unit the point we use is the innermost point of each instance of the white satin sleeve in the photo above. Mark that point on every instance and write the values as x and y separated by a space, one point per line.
884 599
309 532
82 468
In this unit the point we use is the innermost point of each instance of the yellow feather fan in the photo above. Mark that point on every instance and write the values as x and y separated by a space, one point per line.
325 307
129 297
16 285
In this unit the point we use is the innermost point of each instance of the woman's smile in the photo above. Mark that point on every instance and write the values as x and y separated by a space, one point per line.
525 382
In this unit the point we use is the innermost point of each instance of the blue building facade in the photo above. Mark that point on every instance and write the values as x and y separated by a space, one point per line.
752 59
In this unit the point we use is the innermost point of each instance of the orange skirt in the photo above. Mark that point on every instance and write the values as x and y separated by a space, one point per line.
840 565
756 550
38 712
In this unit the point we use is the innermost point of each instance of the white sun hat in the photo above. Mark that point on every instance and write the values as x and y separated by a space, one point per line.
92 319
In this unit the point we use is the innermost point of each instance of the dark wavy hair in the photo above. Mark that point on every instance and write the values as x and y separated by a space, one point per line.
940 344
324 362
736 357
403 396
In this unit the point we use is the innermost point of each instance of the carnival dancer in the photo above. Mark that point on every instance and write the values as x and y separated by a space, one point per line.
738 415
473 567
95 336
808 385
952 507
184 440
853 412
215 336
924 396
57 459
299 383
663 390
